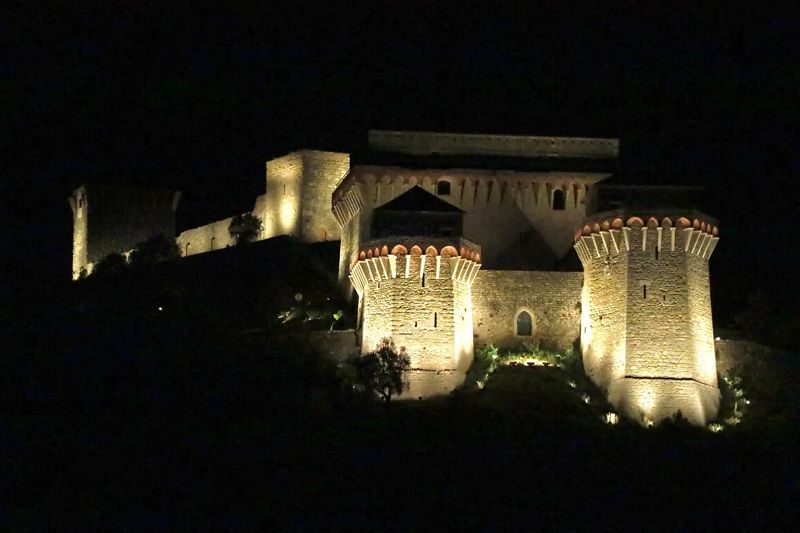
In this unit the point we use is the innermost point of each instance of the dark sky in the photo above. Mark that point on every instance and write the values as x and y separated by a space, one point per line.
197 98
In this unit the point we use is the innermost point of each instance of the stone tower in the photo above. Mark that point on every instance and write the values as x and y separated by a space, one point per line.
646 330
113 219
414 282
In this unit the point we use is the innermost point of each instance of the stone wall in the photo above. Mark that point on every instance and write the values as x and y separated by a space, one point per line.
280 208
298 198
735 355
114 219
604 317
647 330
423 143
322 172
208 238
656 399
335 345
423 303
510 214
551 298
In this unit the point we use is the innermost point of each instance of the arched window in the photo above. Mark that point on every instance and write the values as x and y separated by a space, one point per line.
558 200
524 324
443 188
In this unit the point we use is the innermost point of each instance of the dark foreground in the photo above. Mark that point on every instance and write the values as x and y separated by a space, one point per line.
117 415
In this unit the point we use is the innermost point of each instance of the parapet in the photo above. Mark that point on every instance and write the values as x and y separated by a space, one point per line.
426 143
617 231
414 257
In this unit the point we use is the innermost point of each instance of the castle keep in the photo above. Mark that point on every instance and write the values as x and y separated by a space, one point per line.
451 241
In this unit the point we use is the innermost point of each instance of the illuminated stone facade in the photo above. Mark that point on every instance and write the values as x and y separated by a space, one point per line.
496 273
646 334
296 202
422 300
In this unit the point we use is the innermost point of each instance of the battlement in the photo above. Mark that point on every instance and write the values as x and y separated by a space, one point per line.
426 143
415 257
347 206
612 233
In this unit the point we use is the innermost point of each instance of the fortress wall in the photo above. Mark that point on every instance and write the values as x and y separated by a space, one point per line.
419 318
336 345
424 143
114 219
657 399
701 327
552 299
660 274
281 208
504 210
206 238
422 301
348 247
604 318
322 172
658 337
426 383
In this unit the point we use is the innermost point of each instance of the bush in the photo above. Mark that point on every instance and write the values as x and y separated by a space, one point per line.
154 250
111 264
383 371
245 228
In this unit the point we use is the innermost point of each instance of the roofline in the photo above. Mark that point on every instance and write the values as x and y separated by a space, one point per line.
422 142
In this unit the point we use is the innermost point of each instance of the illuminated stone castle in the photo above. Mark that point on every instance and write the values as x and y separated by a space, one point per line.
452 241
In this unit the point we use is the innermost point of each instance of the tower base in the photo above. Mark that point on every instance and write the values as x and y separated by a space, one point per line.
428 383
654 399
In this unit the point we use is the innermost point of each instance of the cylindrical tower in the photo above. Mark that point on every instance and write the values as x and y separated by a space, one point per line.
418 292
646 329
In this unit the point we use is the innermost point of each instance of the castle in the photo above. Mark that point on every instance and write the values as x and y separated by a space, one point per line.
449 241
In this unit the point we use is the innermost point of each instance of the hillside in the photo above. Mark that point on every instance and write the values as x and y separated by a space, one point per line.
144 401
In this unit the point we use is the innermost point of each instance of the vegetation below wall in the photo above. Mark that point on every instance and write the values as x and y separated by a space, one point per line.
211 412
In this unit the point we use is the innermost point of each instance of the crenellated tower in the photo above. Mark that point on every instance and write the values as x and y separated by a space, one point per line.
418 292
646 327
414 276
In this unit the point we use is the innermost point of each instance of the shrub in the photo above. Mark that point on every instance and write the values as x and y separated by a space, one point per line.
383 371
245 228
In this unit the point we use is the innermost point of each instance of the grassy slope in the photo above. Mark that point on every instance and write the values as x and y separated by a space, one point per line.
116 414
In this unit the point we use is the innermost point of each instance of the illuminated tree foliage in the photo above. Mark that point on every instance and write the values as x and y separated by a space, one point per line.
384 370
245 228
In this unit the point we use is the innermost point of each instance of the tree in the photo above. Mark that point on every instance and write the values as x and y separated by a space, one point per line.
154 250
245 228
110 265
384 370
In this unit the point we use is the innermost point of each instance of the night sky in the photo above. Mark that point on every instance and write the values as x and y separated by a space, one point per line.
198 98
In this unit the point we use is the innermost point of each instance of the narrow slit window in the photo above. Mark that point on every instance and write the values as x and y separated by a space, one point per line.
644 291
435 320
423 279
